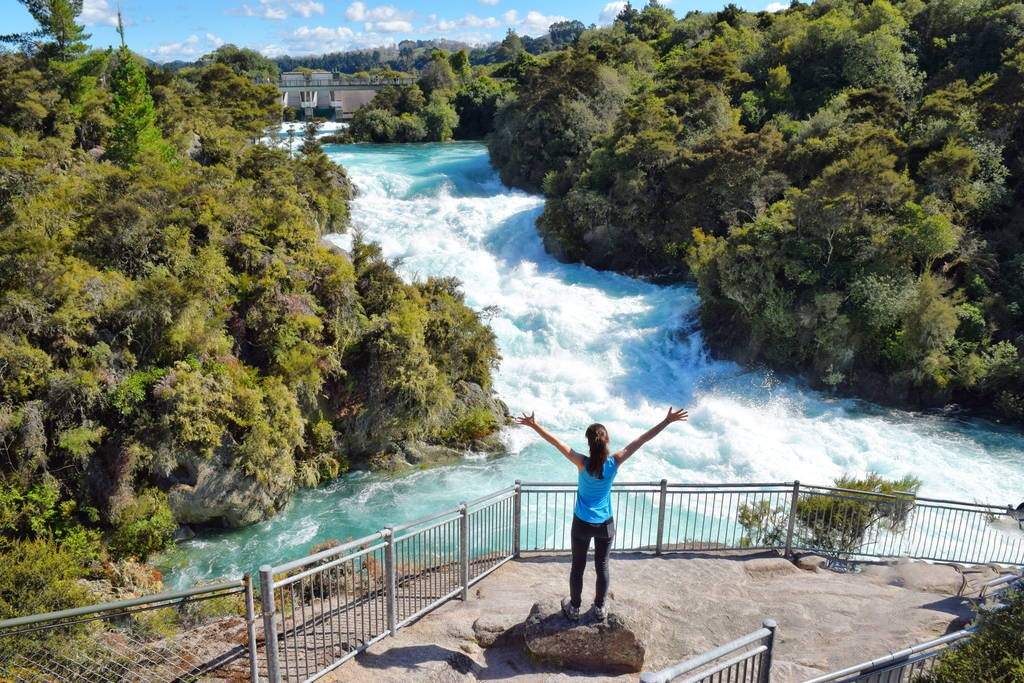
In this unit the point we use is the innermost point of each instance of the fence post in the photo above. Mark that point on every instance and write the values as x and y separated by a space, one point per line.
464 548
250 626
270 623
390 578
766 662
792 519
661 516
517 524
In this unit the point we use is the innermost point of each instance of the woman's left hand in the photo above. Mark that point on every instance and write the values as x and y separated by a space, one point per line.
676 415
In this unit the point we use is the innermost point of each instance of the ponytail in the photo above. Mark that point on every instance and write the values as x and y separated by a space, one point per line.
597 439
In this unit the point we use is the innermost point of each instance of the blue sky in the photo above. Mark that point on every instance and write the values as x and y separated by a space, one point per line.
187 29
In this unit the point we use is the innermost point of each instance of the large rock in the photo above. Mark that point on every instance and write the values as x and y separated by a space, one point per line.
609 646
214 491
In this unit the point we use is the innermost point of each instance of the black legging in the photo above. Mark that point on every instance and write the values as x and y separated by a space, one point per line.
602 534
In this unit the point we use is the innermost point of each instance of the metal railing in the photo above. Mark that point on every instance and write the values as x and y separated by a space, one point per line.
338 80
324 609
745 660
841 523
151 639
897 667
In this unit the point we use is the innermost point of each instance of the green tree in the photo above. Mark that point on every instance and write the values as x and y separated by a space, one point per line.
459 62
437 75
244 62
839 524
56 19
134 131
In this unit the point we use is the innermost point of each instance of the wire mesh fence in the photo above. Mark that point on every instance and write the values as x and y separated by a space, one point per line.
202 634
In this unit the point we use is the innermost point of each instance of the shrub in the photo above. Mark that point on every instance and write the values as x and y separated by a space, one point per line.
995 653
39 576
475 423
143 526
764 525
838 523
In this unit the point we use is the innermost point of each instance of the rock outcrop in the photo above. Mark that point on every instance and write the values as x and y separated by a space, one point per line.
612 645
214 491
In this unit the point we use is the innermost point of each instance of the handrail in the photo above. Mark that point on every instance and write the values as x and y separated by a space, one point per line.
680 485
672 672
892 658
324 554
1009 578
119 604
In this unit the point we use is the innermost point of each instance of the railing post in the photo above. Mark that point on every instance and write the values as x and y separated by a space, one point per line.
390 578
517 519
661 516
464 548
792 519
766 661
270 623
250 626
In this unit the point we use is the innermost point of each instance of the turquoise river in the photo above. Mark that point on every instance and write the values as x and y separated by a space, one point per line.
579 346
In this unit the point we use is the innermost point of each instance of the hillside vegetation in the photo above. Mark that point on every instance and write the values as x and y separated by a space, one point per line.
176 343
843 180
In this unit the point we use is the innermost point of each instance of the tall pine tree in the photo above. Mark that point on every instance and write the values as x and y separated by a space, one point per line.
56 19
131 107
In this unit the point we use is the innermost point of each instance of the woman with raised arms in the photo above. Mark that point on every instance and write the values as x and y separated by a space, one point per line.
593 511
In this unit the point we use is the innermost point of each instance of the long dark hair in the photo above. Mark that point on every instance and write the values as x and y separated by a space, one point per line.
597 439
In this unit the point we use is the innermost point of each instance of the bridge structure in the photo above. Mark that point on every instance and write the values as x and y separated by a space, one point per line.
335 95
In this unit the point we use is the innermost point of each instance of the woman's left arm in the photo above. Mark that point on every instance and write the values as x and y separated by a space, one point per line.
571 455
673 416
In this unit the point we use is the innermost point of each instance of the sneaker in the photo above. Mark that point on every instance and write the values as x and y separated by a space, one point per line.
600 612
572 613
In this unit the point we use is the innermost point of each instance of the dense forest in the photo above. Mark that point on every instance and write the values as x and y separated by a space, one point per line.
177 344
413 55
844 180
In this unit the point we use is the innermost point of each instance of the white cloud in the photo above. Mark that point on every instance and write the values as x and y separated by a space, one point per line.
307 8
190 48
358 11
264 11
510 17
470 21
318 40
776 7
488 2
536 23
277 10
610 11
98 13
304 33
392 26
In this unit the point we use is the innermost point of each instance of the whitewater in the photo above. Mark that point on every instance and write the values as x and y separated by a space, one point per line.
581 346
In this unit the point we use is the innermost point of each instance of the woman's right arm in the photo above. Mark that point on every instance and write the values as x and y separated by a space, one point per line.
570 455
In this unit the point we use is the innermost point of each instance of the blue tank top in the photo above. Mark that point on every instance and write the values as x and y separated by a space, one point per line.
593 496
